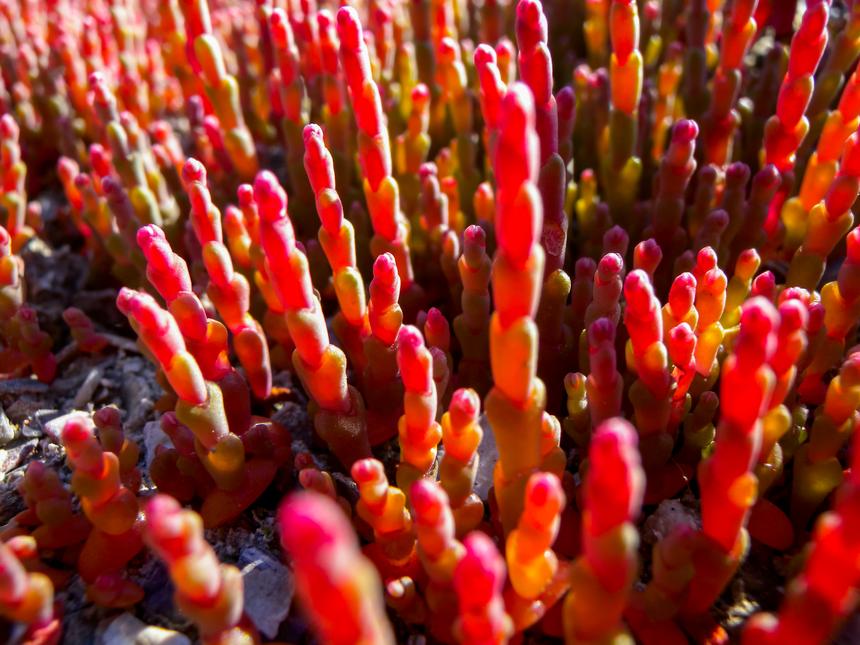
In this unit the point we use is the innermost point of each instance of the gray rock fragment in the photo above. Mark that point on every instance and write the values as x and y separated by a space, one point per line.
488 454
125 629
269 590
87 389
11 458
54 427
669 514
154 436
7 430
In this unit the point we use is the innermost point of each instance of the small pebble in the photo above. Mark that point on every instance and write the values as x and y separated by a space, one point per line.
125 629
8 431
269 590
